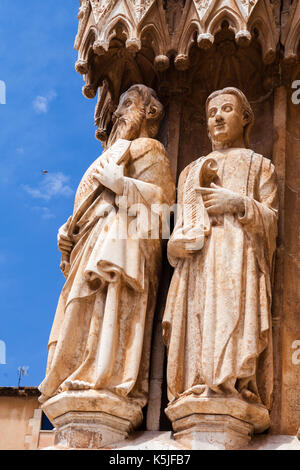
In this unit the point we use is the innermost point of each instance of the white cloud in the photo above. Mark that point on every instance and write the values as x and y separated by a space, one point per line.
52 184
2 92
45 212
41 103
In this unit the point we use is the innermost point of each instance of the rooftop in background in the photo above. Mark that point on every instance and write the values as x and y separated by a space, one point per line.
19 391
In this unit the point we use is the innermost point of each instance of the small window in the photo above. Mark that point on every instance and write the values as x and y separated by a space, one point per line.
46 424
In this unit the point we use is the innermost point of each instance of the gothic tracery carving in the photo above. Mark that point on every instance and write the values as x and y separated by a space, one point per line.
158 33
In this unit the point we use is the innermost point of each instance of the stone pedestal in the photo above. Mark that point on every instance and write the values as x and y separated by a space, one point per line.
91 419
216 423
212 432
90 430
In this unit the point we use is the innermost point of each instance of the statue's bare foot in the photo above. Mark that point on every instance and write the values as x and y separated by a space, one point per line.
226 389
78 385
208 392
250 396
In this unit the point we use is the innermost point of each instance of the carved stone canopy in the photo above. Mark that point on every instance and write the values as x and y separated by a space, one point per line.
171 45
172 26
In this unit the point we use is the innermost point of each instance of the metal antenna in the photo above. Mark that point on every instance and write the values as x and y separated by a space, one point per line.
23 370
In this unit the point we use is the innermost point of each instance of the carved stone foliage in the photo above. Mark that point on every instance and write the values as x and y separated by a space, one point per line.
101 8
204 6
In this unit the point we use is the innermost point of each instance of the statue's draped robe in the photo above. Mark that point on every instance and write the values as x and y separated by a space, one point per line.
217 321
102 327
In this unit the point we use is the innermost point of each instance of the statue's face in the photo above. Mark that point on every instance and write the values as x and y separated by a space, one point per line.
225 120
128 117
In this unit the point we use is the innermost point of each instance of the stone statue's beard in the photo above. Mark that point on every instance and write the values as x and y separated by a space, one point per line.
126 127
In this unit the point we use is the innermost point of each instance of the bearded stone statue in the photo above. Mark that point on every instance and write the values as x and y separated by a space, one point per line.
99 346
217 322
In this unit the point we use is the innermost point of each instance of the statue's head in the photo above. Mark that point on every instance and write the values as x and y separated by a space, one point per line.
138 115
229 118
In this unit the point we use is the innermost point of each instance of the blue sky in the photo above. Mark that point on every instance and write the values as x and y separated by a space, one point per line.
46 124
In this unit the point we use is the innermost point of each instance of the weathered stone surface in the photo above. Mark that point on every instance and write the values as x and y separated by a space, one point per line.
290 351
254 414
214 44
217 322
89 430
148 440
99 347
94 401
212 432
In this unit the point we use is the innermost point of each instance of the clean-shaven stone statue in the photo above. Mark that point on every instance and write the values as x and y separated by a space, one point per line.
99 347
217 321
